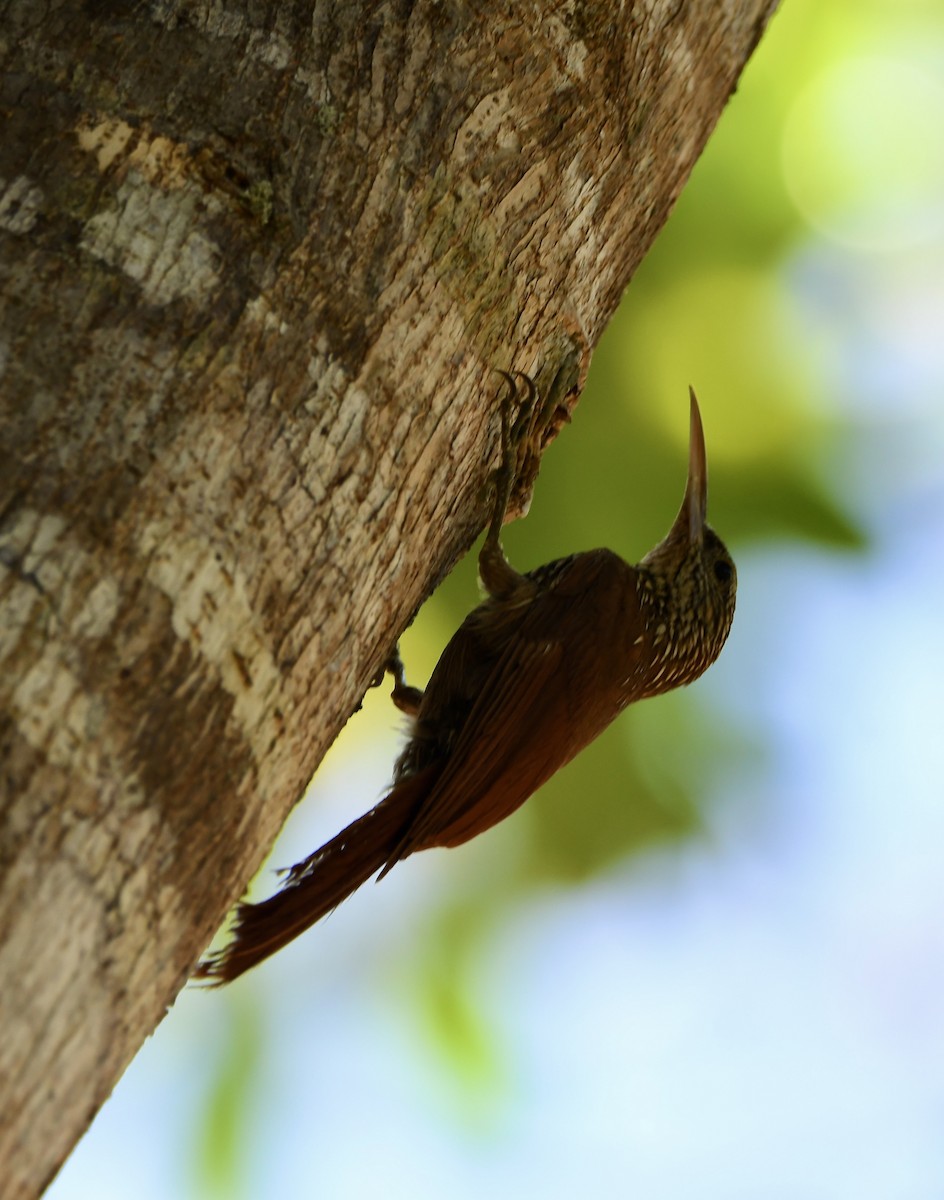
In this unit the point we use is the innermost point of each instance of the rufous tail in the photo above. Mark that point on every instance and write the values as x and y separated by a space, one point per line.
316 886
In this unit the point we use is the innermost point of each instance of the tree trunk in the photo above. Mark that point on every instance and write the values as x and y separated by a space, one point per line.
260 259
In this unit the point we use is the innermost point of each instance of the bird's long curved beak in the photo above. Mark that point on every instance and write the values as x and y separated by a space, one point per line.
694 511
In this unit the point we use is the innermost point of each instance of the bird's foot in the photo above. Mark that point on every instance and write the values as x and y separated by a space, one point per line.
407 699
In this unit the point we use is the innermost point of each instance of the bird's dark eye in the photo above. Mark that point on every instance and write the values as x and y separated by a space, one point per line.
723 571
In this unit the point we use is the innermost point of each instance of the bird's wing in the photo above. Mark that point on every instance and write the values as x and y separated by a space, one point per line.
521 727
491 770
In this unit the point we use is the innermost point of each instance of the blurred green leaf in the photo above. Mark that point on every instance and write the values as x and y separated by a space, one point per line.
442 983
221 1138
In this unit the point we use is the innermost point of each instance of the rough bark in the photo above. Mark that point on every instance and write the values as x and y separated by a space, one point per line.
259 260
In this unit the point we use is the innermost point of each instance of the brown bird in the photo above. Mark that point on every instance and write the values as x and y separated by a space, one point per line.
533 674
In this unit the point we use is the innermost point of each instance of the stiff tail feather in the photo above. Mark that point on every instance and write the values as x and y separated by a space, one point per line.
317 885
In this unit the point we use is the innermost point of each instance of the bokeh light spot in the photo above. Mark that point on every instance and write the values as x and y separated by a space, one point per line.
863 157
